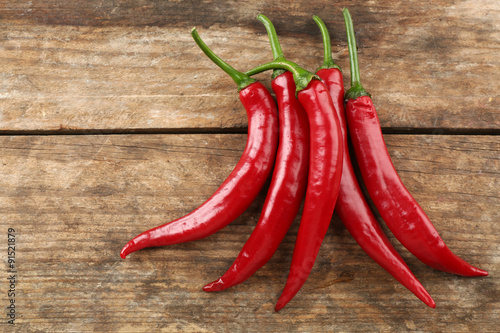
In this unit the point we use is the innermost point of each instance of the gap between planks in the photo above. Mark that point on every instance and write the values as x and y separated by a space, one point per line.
235 130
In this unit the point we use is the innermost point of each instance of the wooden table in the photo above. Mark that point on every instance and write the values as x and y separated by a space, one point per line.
112 121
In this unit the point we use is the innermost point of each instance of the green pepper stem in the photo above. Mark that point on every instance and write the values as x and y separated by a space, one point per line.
356 89
241 79
275 44
301 76
273 36
327 47
353 51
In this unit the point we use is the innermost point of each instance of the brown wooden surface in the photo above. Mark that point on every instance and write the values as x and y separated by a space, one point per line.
159 128
76 200
132 65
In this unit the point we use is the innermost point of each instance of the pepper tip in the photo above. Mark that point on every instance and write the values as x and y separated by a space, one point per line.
282 302
481 272
124 252
279 305
429 301
217 285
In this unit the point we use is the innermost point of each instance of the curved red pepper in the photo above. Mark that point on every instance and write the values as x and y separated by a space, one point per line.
402 214
285 193
244 183
325 167
325 170
351 206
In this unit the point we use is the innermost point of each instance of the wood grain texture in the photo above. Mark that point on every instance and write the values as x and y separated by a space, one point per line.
76 200
132 66
125 66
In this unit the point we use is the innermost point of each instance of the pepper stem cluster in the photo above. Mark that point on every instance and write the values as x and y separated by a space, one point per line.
356 89
241 79
301 76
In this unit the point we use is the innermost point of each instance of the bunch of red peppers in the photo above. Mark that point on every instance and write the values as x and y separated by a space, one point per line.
303 141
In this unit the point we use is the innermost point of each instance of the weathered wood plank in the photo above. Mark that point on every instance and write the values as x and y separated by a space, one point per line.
133 66
75 200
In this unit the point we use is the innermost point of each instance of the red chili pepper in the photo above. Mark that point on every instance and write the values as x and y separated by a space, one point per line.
244 183
325 169
287 188
402 214
351 206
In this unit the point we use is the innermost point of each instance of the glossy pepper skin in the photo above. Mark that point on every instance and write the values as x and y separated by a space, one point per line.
286 191
325 167
240 188
351 206
325 170
400 211
402 214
